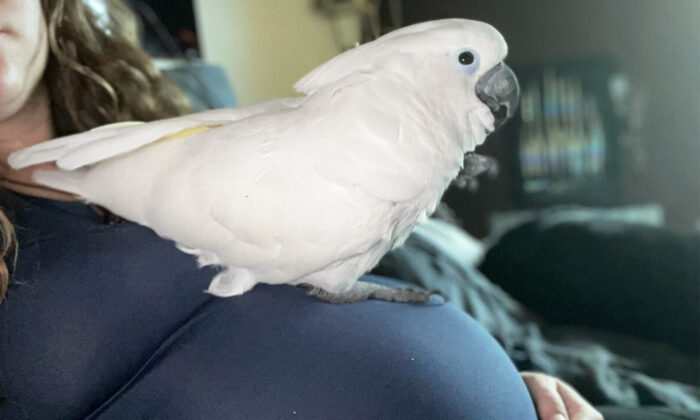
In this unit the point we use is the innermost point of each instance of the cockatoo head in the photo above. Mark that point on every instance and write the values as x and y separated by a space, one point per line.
454 65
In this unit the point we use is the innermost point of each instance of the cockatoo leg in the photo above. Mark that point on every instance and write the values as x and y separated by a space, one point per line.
362 291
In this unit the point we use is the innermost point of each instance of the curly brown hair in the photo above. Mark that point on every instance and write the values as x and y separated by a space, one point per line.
96 74
7 246
116 79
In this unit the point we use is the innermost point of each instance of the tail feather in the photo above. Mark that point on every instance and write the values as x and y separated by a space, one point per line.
70 182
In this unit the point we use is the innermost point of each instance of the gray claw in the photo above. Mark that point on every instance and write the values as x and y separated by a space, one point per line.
362 291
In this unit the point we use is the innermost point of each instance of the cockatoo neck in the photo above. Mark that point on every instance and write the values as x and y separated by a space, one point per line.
443 113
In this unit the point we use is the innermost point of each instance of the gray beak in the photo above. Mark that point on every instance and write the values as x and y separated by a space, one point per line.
499 90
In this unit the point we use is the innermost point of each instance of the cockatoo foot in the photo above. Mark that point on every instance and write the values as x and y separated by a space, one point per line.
362 291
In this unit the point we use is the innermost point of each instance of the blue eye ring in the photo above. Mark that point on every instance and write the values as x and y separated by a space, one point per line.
467 60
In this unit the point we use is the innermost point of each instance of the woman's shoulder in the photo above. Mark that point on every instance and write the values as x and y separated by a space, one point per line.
276 353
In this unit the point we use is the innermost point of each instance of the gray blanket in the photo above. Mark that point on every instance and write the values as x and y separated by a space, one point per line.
606 368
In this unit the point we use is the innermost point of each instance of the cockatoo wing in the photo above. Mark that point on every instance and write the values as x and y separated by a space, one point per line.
78 150
372 150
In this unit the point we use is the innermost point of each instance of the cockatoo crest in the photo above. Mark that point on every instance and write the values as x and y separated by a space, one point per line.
420 41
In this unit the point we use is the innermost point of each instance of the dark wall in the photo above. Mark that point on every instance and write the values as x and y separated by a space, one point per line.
656 42
168 26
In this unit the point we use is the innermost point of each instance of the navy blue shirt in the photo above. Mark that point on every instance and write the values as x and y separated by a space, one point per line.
111 322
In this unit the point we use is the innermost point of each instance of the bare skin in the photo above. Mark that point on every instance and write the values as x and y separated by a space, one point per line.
29 126
557 400
25 115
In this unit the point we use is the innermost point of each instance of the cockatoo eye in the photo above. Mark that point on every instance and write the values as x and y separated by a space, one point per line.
467 61
466 58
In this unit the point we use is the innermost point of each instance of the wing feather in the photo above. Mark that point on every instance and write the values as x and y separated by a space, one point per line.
79 150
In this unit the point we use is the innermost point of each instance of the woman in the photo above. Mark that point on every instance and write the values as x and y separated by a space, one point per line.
108 320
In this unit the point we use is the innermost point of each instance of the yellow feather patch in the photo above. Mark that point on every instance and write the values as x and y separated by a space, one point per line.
187 132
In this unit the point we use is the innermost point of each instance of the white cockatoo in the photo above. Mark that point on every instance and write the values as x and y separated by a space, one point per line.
311 190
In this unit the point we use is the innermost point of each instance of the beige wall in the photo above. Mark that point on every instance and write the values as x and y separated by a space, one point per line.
264 45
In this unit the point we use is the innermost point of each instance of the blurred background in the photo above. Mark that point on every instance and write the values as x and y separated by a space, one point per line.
579 250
